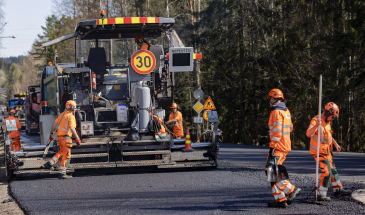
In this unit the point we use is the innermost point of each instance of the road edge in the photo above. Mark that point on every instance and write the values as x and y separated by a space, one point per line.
359 196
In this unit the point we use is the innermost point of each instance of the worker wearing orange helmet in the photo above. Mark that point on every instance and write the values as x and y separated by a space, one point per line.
14 135
66 129
175 119
141 42
329 173
280 126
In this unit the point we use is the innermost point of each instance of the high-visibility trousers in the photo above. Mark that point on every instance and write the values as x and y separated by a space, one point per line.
64 155
329 174
279 188
15 143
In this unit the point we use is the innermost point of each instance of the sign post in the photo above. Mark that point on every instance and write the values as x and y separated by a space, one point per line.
198 94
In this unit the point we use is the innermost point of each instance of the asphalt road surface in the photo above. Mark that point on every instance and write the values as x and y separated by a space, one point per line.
238 186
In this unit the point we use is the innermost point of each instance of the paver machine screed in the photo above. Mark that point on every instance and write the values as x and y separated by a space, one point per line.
117 88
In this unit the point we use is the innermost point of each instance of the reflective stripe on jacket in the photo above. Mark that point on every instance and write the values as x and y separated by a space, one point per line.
280 125
325 144
14 133
67 121
178 127
145 46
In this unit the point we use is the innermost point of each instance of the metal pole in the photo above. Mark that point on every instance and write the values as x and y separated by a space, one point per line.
197 129
319 132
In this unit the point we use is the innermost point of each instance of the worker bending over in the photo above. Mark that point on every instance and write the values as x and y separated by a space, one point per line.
329 172
142 43
65 131
280 126
175 119
14 135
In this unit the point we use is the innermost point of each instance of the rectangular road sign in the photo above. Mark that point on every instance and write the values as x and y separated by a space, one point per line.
198 120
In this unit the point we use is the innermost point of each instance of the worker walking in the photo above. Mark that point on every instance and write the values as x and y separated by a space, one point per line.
280 126
329 173
14 135
142 43
175 119
65 131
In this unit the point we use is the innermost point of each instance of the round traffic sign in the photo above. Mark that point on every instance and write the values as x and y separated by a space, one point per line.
143 62
205 115
198 94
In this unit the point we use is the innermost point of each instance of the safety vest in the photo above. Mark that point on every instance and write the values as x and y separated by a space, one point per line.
145 46
178 126
280 125
13 134
325 145
65 124
162 130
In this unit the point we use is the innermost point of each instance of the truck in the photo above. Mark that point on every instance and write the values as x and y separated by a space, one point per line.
117 88
18 104
32 109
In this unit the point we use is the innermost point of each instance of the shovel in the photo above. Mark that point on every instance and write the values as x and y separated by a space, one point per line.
277 173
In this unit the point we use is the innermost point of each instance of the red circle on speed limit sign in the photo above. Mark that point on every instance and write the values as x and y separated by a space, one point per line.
143 62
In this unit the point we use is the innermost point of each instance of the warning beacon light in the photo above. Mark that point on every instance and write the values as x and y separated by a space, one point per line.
102 13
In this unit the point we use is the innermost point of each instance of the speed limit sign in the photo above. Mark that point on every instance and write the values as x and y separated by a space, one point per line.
143 62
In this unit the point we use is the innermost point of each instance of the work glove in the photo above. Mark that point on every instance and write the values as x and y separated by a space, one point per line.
271 153
50 137
78 142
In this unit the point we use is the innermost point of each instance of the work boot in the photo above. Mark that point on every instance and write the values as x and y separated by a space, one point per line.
293 195
47 165
323 198
276 204
342 192
64 176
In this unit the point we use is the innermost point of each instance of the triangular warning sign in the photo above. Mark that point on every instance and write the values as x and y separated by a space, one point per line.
209 105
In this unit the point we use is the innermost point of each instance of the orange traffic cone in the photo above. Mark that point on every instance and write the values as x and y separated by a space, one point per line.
198 140
187 143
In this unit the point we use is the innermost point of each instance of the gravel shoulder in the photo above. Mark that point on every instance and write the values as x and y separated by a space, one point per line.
8 206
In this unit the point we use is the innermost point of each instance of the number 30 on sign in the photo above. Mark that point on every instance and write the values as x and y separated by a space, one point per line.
143 62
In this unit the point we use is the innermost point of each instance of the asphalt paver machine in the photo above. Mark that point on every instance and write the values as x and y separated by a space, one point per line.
117 88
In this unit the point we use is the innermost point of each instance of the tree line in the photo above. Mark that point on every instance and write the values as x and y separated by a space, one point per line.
249 47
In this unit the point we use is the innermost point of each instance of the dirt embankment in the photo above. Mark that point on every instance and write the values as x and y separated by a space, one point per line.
8 206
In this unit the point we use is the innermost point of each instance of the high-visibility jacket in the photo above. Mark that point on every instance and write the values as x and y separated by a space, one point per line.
67 122
162 130
280 125
145 46
325 145
178 126
13 133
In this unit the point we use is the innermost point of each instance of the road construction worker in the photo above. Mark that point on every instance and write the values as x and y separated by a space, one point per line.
329 173
65 130
280 126
141 42
175 119
162 133
14 135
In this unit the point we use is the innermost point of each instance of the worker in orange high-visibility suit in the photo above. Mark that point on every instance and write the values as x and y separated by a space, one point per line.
328 169
162 134
141 42
65 131
175 119
14 135
280 126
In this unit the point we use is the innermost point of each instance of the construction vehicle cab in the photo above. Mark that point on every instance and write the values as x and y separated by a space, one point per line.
17 104
32 109
118 88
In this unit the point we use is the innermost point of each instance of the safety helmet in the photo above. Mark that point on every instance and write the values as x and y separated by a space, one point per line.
331 109
174 105
276 94
70 105
139 38
12 111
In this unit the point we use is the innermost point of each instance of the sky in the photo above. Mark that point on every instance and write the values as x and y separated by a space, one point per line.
25 18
